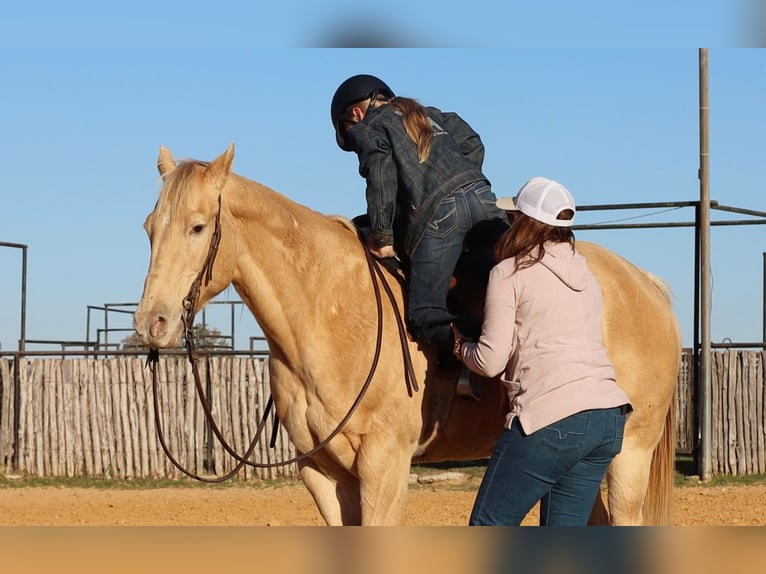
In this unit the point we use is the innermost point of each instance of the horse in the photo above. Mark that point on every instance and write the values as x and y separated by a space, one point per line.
306 278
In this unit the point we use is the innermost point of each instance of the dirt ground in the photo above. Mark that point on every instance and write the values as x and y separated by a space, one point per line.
291 505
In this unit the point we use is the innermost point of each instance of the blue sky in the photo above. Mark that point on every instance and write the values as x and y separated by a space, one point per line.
83 112
447 23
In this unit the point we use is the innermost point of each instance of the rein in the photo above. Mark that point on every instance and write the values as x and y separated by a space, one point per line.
189 303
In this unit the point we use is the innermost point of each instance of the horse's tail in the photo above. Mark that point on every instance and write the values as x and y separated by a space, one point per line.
658 504
661 284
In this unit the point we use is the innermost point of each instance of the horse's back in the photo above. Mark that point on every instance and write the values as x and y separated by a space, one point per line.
638 315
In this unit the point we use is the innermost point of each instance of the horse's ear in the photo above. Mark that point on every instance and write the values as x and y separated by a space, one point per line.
220 168
165 162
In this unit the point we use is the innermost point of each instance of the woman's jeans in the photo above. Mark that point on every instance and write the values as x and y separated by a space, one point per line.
435 257
561 465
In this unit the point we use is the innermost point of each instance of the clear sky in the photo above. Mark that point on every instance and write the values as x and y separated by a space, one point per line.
87 98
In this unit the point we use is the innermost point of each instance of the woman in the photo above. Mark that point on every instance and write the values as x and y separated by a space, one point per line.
542 331
425 191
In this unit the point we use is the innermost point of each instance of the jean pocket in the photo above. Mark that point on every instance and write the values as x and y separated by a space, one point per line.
488 202
619 433
444 222
567 435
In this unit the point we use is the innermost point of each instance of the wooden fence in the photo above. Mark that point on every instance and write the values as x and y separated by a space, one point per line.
95 417
738 406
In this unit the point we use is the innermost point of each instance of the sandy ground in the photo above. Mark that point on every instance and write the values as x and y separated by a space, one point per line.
204 529
291 505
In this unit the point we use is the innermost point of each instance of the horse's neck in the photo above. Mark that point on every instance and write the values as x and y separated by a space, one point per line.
296 269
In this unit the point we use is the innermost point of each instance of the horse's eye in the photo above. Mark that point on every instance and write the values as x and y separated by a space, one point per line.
197 229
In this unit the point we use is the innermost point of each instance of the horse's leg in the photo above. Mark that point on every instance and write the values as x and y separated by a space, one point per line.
599 516
640 478
628 480
384 465
338 503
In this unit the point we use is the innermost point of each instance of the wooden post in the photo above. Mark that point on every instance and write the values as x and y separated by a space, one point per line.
705 286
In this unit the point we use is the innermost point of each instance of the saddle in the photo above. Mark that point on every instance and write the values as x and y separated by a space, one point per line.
466 296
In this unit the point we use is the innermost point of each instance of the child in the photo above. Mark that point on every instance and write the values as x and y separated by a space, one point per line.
425 191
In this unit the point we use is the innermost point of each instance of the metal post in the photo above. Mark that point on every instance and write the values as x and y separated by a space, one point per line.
22 347
705 460
106 327
87 324
23 327
763 324
231 310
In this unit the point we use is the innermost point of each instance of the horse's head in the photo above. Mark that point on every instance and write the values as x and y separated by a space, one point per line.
180 230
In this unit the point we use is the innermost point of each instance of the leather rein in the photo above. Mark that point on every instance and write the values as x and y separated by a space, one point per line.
206 274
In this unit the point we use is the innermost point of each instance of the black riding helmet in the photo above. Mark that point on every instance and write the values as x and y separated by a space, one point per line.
353 90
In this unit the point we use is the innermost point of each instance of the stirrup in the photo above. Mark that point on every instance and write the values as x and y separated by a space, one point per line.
465 388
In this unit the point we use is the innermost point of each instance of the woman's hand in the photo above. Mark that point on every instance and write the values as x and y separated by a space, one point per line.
459 340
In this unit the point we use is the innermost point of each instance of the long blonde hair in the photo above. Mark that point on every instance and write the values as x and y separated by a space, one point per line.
417 125
416 122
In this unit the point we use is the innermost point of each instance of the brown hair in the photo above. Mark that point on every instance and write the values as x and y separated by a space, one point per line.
525 239
417 124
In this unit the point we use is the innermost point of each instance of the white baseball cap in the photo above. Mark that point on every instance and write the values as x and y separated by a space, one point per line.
542 199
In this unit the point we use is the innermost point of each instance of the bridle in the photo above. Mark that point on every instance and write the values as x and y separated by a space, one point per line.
206 274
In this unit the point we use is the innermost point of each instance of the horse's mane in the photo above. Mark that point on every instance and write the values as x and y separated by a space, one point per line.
185 172
181 177
188 161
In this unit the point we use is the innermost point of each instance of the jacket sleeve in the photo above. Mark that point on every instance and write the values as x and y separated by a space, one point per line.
377 167
469 141
491 353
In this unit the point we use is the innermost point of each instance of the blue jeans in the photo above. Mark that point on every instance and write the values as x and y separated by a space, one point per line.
561 465
435 256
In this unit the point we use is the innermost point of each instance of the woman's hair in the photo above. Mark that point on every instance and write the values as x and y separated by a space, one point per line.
416 122
525 239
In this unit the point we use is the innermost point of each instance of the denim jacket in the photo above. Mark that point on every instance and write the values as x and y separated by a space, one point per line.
402 193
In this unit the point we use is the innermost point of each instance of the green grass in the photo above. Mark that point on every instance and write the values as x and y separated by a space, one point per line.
685 473
682 480
133 484
685 477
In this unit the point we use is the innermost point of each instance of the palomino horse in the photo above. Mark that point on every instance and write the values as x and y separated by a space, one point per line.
305 278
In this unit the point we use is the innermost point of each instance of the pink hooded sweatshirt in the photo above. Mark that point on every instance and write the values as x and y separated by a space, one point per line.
542 327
